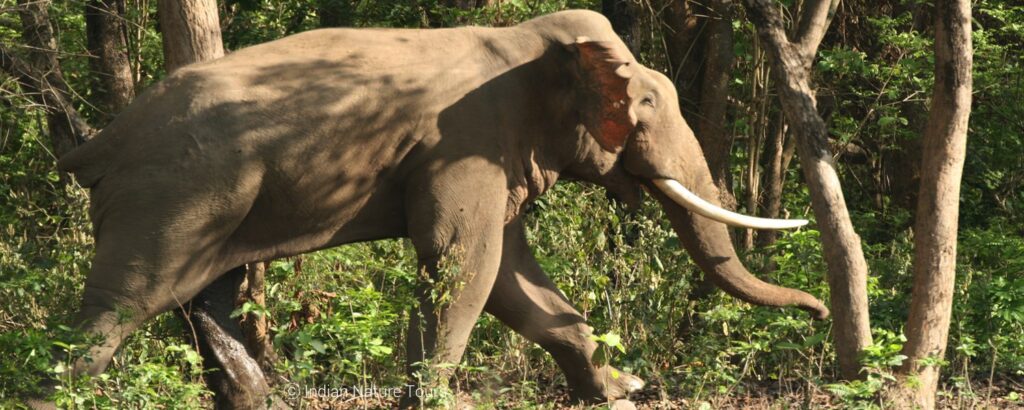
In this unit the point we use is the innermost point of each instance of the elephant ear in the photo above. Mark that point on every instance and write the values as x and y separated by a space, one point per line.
605 71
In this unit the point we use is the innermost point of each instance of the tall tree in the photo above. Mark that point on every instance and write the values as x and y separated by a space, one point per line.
778 153
335 13
847 269
625 18
106 36
699 44
191 32
698 40
468 4
935 230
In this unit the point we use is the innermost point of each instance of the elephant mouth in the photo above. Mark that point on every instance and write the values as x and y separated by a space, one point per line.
687 199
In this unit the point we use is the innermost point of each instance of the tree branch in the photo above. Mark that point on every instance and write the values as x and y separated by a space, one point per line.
814 22
14 67
41 76
48 95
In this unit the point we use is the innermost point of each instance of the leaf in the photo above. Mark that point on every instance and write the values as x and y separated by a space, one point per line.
896 360
600 357
887 121
788 346
318 346
814 339
612 339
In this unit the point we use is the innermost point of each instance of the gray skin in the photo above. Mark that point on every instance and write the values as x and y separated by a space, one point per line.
442 136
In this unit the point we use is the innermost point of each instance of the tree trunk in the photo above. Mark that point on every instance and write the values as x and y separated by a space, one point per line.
108 48
255 326
715 140
700 52
625 18
40 75
699 46
843 254
935 230
336 13
191 32
467 4
685 48
775 167
759 119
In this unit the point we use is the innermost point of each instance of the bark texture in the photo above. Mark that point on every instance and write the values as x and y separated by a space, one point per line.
700 45
191 32
685 48
108 48
698 40
468 4
935 230
336 13
843 254
625 18
255 326
778 153
715 140
40 75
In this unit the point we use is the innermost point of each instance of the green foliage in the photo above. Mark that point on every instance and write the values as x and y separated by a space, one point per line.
344 342
605 344
880 360
339 316
339 320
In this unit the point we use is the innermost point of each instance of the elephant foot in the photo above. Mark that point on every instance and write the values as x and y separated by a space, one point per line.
607 384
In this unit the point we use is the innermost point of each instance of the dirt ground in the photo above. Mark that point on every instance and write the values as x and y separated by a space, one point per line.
755 397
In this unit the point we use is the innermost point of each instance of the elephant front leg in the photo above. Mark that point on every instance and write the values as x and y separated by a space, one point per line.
528 301
455 224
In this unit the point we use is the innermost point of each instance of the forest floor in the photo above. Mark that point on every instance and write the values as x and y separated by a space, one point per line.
765 396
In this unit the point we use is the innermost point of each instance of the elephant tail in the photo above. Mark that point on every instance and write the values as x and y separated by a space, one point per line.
89 162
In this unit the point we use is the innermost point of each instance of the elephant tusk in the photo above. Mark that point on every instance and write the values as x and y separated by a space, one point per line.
694 203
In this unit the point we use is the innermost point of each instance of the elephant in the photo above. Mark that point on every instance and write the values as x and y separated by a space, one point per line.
441 136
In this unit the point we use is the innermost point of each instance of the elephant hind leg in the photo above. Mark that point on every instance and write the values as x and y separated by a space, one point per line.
525 299
142 268
111 314
155 250
111 323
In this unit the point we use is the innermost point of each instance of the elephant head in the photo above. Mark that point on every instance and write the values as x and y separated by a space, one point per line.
633 115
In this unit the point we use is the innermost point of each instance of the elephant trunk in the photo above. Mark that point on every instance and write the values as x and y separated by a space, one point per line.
708 243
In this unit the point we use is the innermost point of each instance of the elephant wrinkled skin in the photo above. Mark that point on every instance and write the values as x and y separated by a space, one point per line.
443 136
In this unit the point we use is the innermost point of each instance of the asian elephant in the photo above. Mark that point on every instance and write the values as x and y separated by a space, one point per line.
441 136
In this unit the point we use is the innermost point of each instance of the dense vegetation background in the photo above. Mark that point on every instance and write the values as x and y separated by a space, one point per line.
338 316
